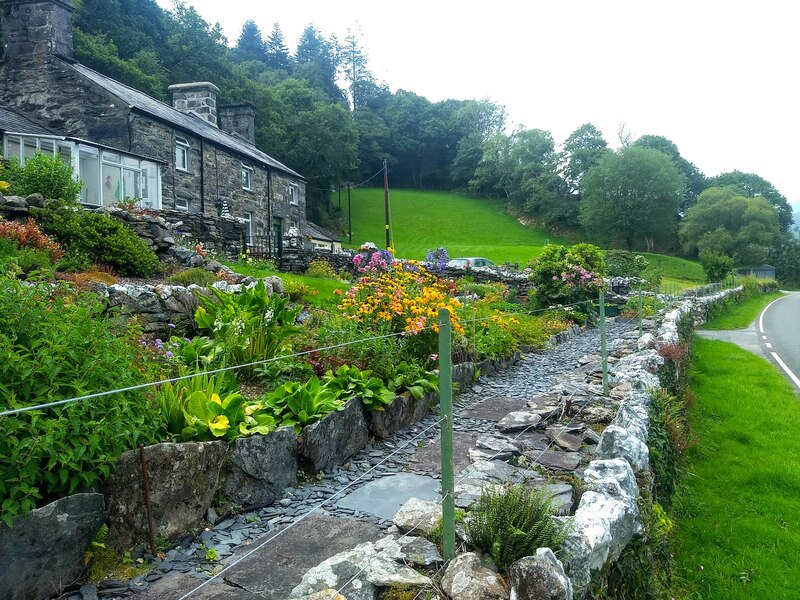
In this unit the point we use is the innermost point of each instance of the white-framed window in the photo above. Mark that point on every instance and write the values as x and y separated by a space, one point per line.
294 199
294 224
247 177
182 204
181 154
248 227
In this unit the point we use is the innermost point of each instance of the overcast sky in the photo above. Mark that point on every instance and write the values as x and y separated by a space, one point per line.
718 78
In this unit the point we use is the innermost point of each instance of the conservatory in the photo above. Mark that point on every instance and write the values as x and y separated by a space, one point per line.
109 176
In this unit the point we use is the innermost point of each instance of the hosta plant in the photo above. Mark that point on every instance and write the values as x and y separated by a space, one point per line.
352 381
414 379
300 404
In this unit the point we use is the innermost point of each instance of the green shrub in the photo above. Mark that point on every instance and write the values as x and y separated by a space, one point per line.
414 379
296 289
103 239
322 269
511 522
47 175
565 275
352 381
300 404
193 275
621 263
57 344
716 265
21 261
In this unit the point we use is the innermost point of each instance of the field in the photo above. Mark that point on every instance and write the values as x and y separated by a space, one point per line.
466 226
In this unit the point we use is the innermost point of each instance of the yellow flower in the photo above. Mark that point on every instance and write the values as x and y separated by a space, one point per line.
215 398
219 425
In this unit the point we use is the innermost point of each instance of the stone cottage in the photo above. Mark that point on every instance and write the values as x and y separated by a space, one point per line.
192 156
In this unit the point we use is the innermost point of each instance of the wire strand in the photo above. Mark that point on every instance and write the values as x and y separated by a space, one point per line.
313 510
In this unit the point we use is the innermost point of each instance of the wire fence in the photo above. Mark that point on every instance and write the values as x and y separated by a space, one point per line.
444 422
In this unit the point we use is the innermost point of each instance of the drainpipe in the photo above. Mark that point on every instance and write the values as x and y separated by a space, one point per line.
269 210
202 179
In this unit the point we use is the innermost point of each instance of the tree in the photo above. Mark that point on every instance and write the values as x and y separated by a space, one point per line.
250 45
275 50
631 194
317 62
695 180
583 149
728 223
353 61
786 259
750 184
476 121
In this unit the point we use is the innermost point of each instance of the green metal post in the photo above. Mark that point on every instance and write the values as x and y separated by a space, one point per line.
603 350
655 307
446 411
640 309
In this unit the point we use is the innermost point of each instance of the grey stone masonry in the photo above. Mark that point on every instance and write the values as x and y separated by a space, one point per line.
238 119
198 98
37 29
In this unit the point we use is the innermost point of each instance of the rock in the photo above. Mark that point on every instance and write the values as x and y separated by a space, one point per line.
410 550
598 414
560 494
562 439
467 578
260 467
646 342
15 202
88 591
556 461
617 442
327 594
621 391
539 577
404 411
43 550
518 421
418 516
36 200
613 477
183 479
601 528
500 444
590 436
358 573
336 437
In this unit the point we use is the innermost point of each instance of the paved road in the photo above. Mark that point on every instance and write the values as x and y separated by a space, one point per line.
779 332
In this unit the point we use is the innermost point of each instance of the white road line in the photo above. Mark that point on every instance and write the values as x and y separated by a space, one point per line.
768 345
763 312
791 375
764 337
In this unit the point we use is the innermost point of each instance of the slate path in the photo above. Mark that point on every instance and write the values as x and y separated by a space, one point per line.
353 503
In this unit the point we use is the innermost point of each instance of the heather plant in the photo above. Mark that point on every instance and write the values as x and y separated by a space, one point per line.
28 235
58 344
193 275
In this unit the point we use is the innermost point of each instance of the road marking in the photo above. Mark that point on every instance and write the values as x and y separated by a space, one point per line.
764 337
768 345
763 312
791 375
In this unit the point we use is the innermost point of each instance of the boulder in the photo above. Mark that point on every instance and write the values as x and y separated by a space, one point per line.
410 549
601 528
616 442
404 411
539 577
261 467
183 480
358 574
43 550
336 437
613 477
555 460
468 578
646 342
518 421
418 516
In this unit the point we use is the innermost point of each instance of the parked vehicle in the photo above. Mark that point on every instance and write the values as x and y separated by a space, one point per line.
469 262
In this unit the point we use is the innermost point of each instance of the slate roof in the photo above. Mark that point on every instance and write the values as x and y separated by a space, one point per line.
189 123
320 233
16 123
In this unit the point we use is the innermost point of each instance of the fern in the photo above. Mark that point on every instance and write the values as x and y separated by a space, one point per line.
511 522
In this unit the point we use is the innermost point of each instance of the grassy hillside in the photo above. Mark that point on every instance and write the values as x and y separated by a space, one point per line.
423 220
466 226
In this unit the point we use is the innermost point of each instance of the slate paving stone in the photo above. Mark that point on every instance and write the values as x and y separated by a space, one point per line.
385 496
173 587
428 458
556 461
492 409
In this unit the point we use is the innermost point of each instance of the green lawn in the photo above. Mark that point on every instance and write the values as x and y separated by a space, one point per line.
740 315
465 226
468 226
737 513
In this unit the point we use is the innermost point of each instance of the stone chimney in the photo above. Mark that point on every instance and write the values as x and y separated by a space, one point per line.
198 98
240 120
36 30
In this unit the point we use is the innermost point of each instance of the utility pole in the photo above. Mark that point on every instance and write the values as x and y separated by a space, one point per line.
349 216
340 195
386 202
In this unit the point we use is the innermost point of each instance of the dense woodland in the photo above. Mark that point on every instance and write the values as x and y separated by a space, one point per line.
322 112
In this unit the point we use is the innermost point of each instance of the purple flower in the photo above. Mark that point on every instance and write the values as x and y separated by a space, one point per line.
169 354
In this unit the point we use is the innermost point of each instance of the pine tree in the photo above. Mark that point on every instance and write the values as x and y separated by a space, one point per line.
277 53
250 45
